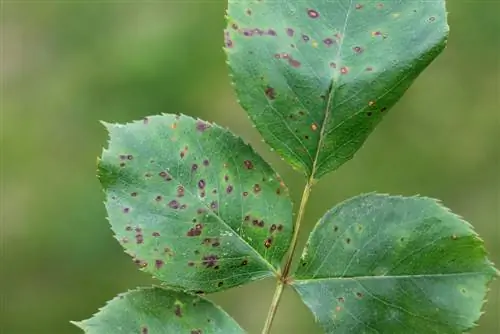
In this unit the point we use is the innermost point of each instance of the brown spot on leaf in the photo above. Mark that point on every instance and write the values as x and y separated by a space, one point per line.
202 126
312 13
210 261
268 242
178 311
248 164
270 93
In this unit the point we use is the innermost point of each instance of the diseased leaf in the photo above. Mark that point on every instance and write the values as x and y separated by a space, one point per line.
156 310
391 264
317 76
193 204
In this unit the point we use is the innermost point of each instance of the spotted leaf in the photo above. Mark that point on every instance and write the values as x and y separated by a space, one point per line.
317 76
157 310
193 204
390 264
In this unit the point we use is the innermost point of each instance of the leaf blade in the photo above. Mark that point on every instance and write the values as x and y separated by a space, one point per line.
316 77
193 204
394 264
158 310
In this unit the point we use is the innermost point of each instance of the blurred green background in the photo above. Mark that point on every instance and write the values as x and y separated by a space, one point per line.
68 64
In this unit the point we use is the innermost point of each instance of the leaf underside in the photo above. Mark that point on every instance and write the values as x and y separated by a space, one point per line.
156 310
317 76
193 204
392 264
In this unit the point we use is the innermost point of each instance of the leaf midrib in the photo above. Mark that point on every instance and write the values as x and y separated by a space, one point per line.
363 278
331 91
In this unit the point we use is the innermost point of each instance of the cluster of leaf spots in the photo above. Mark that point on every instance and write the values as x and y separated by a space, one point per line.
185 216
393 264
316 77
158 310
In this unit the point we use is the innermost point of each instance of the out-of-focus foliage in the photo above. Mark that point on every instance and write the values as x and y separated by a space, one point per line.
66 65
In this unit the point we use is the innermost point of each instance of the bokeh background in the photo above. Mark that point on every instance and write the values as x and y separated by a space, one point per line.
68 64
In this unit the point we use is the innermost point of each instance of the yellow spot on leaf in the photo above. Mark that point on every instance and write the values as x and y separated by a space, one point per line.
371 103
395 15
314 44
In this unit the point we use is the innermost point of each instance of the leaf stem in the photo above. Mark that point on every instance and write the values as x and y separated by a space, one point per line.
288 262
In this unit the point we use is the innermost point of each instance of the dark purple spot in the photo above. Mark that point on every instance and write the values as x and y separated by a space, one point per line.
156 234
244 262
328 41
124 240
214 205
126 210
214 191
201 184
216 244
312 13
344 70
369 113
271 32
144 330
249 11
305 38
245 193
134 194
122 164
190 263
202 126
247 218
278 191
130 157
220 284
193 232
200 211
158 198
289 32
270 93
158 264
178 311
228 42
383 109
180 191
359 6
333 65
341 299
369 69
229 189
210 261
138 229
145 120
182 154
234 26
140 263
123 157
226 178
348 240
432 19
294 63
206 162
248 164
139 239
357 49
256 188
359 294
202 193
272 228
268 242
173 204
183 206
194 167
128 228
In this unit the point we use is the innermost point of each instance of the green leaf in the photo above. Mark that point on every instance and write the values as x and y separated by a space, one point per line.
156 310
391 264
317 76
193 204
